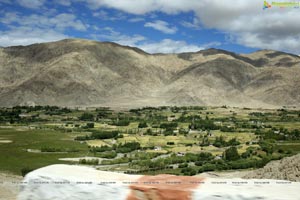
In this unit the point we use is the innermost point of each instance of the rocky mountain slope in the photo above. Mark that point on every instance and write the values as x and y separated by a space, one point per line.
285 169
76 72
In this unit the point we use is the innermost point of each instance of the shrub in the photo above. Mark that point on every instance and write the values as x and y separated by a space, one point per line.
89 162
121 123
104 134
87 117
183 165
231 154
90 125
25 171
109 155
142 125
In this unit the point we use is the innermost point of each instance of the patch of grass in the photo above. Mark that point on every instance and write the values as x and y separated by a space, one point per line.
289 146
14 156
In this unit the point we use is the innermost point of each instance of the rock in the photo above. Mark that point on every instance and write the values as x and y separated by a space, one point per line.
284 169
67 182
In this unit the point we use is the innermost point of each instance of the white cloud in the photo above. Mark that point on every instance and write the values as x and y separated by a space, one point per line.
163 46
243 20
103 15
195 24
169 46
26 36
136 19
64 2
24 30
115 36
145 6
161 26
60 21
250 25
33 4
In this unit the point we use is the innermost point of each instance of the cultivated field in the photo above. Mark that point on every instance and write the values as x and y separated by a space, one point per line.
176 140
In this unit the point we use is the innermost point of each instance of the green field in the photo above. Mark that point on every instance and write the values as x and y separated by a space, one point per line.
175 140
14 156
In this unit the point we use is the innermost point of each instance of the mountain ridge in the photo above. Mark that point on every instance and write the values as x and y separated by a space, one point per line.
76 72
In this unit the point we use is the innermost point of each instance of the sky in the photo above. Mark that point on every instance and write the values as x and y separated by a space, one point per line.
156 26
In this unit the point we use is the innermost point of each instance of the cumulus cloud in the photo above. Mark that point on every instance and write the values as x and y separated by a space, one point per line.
161 26
136 19
103 15
24 30
194 24
145 6
245 21
64 2
26 35
169 46
249 25
163 46
60 21
110 34
33 4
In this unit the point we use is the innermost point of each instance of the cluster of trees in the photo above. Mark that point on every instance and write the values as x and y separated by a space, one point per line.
143 125
46 108
121 148
58 149
231 154
232 161
122 122
87 117
173 159
128 147
171 125
203 124
189 171
99 135
205 142
227 129
220 142
189 118
203 162
279 134
108 154
236 164
11 116
116 161
169 128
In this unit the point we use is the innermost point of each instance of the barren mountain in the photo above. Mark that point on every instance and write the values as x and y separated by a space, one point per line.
76 72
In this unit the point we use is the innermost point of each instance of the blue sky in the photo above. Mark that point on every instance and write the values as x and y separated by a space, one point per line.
156 26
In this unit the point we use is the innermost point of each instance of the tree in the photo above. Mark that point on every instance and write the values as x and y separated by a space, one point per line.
231 154
87 117
90 125
143 125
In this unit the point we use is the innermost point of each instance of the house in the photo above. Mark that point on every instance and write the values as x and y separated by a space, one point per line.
171 118
180 154
218 158
157 148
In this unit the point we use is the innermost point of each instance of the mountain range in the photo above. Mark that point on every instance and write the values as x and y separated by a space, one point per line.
77 72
